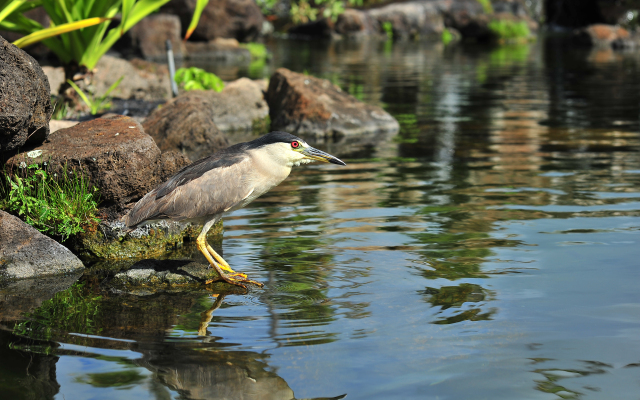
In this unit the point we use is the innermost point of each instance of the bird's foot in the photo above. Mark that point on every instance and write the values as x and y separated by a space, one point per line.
238 279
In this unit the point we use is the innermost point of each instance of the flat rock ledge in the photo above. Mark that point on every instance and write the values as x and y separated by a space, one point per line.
27 253
111 241
151 276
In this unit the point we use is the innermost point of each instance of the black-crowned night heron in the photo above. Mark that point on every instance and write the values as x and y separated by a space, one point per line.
209 188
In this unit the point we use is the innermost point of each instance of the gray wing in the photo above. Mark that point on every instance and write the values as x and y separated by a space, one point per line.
212 192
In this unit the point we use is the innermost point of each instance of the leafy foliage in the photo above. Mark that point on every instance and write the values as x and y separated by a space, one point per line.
96 104
509 30
54 205
79 30
198 79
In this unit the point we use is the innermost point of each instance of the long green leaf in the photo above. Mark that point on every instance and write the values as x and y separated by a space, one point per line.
13 6
127 5
57 30
200 5
82 94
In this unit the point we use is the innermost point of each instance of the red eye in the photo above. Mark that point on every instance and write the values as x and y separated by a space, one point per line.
295 144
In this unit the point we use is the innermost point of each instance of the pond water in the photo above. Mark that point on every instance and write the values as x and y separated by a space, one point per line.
488 251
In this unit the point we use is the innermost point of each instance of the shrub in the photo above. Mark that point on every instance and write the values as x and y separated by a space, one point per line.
198 79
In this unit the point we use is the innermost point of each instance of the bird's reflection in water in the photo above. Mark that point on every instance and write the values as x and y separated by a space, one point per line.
209 372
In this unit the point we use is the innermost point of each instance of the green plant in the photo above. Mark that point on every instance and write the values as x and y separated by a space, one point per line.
96 104
509 30
198 79
84 36
447 36
57 205
486 6
387 27
60 108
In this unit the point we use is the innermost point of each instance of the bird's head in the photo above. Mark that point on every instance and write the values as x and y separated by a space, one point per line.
292 150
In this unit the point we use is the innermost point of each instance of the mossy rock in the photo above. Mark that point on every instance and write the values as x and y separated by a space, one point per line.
152 276
110 240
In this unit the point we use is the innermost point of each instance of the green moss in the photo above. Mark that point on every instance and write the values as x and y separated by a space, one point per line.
161 239
509 30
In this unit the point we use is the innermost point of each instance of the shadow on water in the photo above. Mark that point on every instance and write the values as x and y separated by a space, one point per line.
488 250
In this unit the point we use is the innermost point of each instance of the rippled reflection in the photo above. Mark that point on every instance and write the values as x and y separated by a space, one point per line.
489 250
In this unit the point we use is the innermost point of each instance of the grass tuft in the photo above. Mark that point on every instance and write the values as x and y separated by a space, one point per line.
56 205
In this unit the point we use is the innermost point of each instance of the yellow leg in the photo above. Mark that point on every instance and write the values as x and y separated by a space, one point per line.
235 279
223 264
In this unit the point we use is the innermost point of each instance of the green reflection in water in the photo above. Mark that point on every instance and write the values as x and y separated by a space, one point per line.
448 297
72 310
121 379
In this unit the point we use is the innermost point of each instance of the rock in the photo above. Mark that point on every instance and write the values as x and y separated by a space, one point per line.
113 152
186 123
25 102
25 295
219 50
573 13
411 19
239 19
151 34
601 35
241 107
111 241
56 78
313 107
27 253
165 273
56 125
469 18
354 23
142 80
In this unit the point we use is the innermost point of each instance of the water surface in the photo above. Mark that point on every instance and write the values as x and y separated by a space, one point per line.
488 251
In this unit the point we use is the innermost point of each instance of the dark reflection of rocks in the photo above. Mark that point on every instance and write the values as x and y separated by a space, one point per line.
197 369
24 374
457 297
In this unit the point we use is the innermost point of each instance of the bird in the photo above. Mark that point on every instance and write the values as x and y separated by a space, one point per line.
212 187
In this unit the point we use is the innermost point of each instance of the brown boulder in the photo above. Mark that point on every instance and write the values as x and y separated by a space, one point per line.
313 107
410 19
113 152
27 253
25 102
354 23
601 35
194 122
142 80
151 34
239 19
186 124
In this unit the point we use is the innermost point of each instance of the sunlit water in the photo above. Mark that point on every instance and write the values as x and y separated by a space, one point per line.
489 251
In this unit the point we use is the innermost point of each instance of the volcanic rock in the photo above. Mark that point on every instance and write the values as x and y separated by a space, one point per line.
27 253
313 107
25 103
113 152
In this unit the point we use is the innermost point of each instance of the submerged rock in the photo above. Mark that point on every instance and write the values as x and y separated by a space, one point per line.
158 273
25 102
27 253
313 107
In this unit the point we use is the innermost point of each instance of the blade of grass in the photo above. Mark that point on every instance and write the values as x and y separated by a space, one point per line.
58 30
200 5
